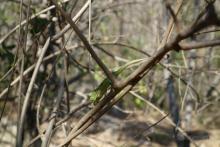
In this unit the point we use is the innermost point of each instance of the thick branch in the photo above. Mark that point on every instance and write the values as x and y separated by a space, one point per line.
197 45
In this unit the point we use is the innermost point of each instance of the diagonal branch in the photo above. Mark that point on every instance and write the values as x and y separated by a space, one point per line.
209 18
75 19
79 129
86 44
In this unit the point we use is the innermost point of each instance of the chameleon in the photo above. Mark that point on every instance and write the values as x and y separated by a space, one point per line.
96 95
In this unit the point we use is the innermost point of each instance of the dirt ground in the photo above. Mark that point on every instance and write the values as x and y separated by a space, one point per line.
133 131
129 130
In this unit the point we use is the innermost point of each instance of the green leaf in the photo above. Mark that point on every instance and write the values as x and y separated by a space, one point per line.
142 88
139 103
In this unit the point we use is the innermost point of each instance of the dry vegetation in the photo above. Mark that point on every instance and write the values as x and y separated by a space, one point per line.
159 60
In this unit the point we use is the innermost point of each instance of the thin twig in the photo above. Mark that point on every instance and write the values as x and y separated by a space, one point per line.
47 136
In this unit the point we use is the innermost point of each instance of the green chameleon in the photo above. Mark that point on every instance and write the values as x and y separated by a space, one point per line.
98 93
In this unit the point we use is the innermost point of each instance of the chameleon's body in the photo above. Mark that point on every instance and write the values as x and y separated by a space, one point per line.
98 93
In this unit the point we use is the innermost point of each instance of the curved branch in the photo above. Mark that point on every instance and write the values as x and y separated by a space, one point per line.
29 91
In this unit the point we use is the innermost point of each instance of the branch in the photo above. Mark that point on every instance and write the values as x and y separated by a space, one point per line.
160 63
75 19
86 44
198 45
48 133
28 93
209 18
85 123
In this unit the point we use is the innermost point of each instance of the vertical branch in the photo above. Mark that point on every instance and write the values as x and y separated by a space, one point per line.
90 29
52 122
21 65
90 19
187 101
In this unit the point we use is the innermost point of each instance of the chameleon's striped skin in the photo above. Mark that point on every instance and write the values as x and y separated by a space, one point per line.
98 93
